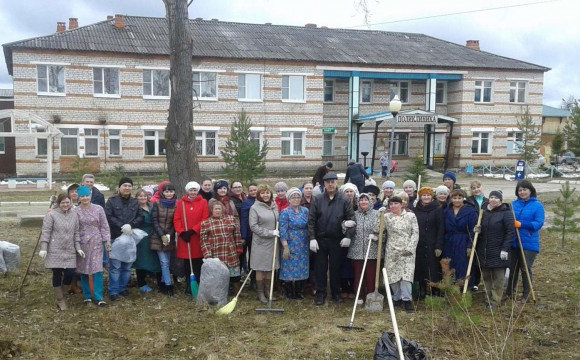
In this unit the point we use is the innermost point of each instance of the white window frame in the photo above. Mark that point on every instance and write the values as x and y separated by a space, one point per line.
442 141
482 88
479 137
330 143
288 99
206 98
2 139
204 130
151 96
324 91
260 130
512 138
516 89
444 84
66 136
48 92
92 137
156 137
103 94
114 137
246 99
291 138
398 92
36 152
397 140
361 83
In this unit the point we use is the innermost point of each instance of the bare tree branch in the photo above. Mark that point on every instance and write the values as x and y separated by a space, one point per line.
189 3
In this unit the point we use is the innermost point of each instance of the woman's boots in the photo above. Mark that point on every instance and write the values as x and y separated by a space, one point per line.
60 303
267 290
298 286
260 291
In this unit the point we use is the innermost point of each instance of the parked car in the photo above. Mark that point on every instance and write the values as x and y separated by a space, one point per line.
568 158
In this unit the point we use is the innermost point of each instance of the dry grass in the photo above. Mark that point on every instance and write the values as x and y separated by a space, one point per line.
159 327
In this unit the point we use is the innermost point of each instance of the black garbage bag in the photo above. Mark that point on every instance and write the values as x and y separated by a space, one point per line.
386 349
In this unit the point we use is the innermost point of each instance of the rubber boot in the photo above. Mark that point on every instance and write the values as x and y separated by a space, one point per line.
267 290
169 290
289 290
60 303
260 291
298 286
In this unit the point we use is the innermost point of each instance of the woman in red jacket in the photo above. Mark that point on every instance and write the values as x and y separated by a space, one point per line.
196 211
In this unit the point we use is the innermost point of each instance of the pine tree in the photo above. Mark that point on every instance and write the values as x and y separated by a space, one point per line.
416 169
245 159
529 147
572 131
558 143
566 206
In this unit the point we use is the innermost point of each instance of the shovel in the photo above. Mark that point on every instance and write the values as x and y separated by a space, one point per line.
375 299
269 309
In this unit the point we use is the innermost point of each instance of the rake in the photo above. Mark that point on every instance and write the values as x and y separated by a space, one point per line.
269 309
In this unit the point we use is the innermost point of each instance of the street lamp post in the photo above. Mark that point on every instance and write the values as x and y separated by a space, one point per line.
394 108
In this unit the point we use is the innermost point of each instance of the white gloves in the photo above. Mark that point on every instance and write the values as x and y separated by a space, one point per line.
126 229
165 239
275 233
503 255
314 245
42 253
477 228
373 237
81 253
383 209
345 242
349 224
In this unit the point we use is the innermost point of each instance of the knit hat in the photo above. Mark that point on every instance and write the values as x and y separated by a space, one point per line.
84 191
497 193
192 185
370 181
450 175
426 190
372 189
349 186
365 195
388 185
280 186
220 184
410 183
125 180
442 189
329 165
291 192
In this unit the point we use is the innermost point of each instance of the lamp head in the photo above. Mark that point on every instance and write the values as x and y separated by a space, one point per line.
395 105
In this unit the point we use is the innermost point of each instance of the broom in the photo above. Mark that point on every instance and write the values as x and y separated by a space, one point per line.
192 280
229 307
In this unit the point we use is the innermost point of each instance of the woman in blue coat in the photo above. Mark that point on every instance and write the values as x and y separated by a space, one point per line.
460 219
529 220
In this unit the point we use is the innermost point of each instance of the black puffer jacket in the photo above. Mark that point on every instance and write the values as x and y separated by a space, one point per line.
431 235
121 211
497 234
326 217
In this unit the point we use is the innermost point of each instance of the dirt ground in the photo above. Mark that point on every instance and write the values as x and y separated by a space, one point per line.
156 326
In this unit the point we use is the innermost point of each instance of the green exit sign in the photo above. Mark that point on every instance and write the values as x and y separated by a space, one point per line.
328 130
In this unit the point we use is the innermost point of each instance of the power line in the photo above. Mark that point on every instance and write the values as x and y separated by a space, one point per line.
455 13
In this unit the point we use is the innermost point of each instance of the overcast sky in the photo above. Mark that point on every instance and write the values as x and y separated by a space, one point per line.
546 33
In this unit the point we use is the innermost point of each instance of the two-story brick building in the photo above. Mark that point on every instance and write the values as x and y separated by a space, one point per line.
315 94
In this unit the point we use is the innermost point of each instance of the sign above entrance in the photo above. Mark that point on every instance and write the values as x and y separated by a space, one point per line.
328 130
417 119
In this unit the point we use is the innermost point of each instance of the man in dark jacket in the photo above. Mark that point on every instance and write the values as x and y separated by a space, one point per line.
124 215
329 212
318 179
356 174
97 197
245 223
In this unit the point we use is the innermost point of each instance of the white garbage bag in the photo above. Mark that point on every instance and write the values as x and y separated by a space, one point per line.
9 256
124 248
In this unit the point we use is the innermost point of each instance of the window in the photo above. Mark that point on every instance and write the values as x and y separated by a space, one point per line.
105 81
155 83
154 142
328 91
205 142
293 87
2 144
256 137
249 87
327 144
400 143
50 79
205 85
114 142
69 142
292 143
482 91
366 91
480 143
439 144
514 141
517 91
91 142
401 89
41 147
441 93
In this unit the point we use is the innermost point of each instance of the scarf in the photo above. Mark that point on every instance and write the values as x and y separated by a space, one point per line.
168 202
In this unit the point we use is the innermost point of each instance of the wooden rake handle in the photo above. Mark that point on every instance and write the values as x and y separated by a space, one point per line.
468 273
380 248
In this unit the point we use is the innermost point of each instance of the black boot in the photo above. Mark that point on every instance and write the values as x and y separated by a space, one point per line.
169 290
288 287
162 288
298 285
408 305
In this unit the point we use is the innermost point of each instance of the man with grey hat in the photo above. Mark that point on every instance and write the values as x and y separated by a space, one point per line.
328 212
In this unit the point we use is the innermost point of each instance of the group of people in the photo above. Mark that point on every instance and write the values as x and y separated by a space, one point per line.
321 231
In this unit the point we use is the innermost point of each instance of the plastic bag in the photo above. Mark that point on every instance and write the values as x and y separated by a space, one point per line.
387 350
124 248
215 282
9 256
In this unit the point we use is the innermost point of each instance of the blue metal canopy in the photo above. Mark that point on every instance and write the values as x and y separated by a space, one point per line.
391 76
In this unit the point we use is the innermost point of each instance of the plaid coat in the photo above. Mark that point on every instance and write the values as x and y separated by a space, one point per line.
221 238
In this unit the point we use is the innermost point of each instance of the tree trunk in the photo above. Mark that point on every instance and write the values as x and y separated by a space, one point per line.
179 139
